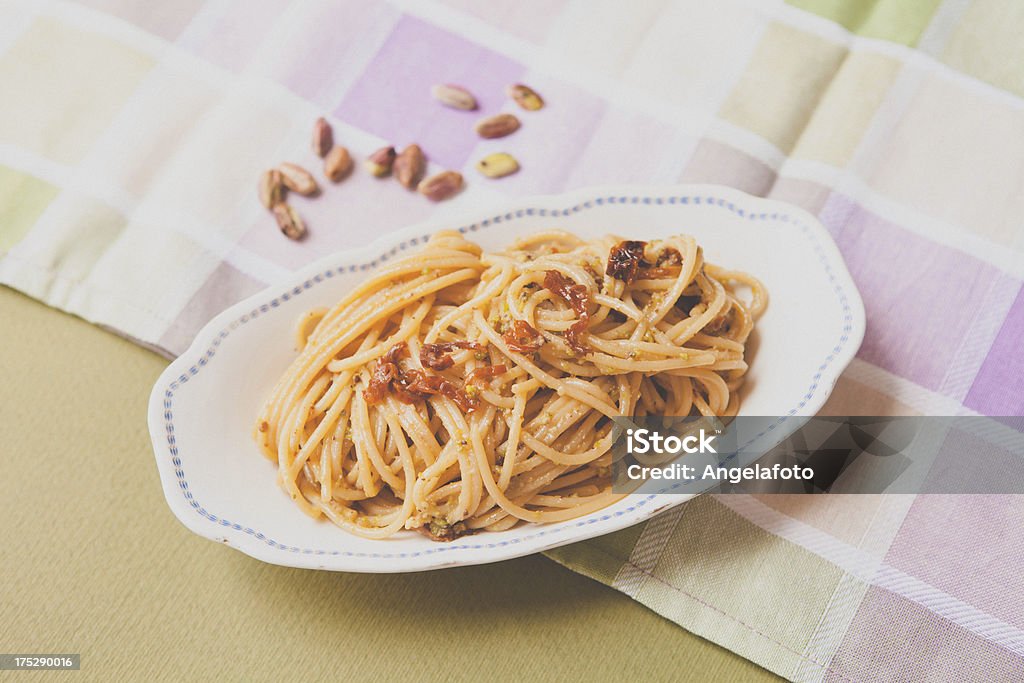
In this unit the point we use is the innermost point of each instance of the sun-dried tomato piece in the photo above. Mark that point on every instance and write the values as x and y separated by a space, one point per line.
396 353
523 337
457 394
410 386
571 293
578 298
384 372
414 386
669 264
437 356
380 382
575 337
624 260
486 372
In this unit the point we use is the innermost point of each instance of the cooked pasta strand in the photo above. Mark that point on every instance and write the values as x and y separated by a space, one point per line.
458 390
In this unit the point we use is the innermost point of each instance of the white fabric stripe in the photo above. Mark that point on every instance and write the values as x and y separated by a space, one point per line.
874 571
289 30
915 396
675 149
995 433
31 163
748 142
825 28
849 592
992 311
888 519
928 402
831 629
644 557
945 20
99 22
16 26
1002 256
204 21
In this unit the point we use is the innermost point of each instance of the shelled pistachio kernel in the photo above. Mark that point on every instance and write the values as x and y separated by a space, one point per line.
441 186
271 188
289 221
409 166
337 163
497 165
525 96
379 163
323 137
298 179
497 126
454 96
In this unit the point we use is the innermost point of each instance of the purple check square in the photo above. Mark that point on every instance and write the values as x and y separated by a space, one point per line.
392 97
924 301
967 546
998 388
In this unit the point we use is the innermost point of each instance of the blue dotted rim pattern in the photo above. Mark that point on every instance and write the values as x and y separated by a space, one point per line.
695 199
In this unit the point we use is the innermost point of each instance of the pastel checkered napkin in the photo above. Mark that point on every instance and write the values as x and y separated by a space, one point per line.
131 134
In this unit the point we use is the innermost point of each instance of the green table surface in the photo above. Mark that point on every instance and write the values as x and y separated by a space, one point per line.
95 563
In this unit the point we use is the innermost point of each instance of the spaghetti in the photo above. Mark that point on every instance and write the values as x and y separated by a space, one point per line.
457 391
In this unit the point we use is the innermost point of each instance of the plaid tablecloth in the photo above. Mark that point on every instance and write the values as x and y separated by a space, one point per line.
132 133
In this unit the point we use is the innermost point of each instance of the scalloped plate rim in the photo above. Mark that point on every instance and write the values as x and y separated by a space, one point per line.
546 536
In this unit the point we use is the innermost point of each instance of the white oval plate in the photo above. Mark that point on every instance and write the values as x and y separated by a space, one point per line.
202 408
